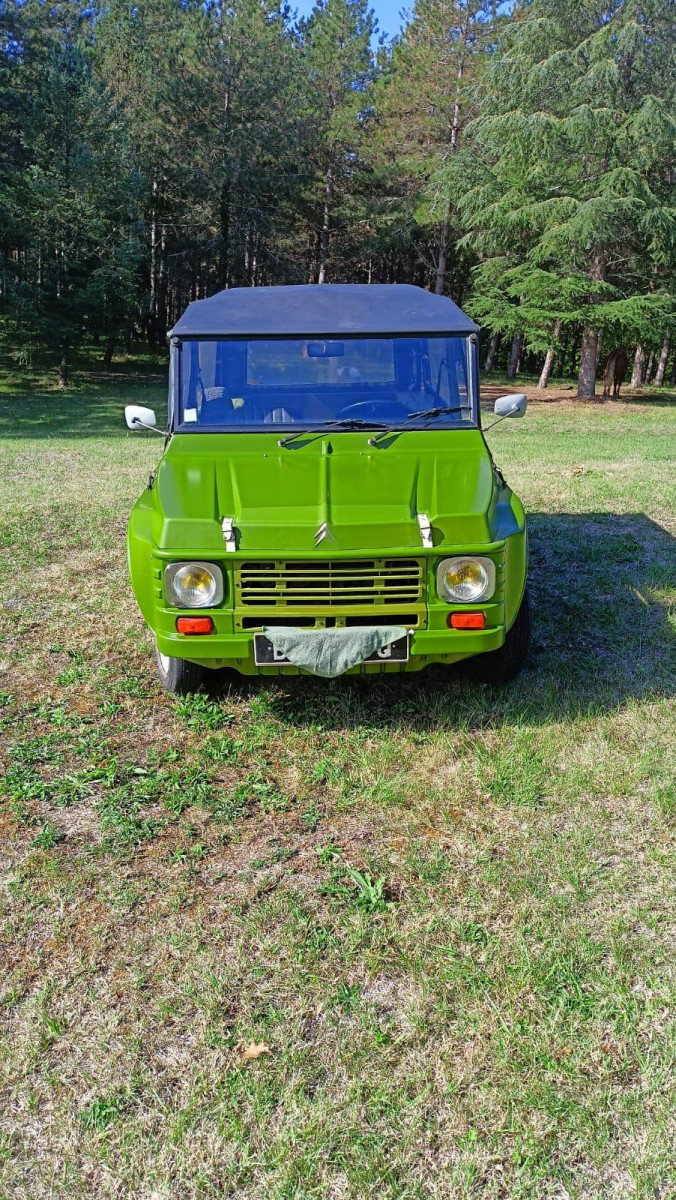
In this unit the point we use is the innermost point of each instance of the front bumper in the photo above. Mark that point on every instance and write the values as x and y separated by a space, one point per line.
427 647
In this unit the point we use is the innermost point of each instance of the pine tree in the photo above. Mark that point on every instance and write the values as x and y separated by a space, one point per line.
569 168
423 101
155 152
71 247
339 65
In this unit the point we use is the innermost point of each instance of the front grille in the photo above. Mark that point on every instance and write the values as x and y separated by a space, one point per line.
343 583
321 589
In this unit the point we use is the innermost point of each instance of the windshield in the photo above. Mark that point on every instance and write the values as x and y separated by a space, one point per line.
392 381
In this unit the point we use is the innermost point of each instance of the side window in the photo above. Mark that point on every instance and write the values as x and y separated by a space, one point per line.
449 370
439 368
459 369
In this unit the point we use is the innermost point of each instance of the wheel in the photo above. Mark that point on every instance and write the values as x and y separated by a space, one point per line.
178 675
499 666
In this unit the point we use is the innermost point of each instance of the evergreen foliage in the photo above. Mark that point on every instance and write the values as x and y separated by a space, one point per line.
570 170
524 164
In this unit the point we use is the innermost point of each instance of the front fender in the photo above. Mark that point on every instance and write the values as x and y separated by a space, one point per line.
139 557
516 562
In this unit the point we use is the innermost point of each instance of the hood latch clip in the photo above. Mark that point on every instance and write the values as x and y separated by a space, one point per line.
425 531
229 535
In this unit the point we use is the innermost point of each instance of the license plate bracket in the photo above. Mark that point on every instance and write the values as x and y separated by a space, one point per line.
265 654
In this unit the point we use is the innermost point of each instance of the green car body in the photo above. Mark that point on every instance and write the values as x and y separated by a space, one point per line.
328 528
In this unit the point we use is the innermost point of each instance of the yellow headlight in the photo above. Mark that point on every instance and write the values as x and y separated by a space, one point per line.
193 584
466 580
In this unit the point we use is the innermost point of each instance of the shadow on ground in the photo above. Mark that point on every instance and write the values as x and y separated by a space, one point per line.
559 391
90 412
601 639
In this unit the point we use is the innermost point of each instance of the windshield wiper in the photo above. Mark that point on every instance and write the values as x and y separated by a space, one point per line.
425 412
346 423
435 412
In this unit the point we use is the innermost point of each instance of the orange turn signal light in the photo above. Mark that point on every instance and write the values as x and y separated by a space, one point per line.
465 620
194 625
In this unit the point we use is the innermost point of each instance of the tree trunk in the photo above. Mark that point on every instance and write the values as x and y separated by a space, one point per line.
549 358
673 372
561 364
589 361
161 295
64 369
514 355
591 338
152 323
312 255
108 352
637 369
443 252
224 222
662 364
324 240
573 353
455 126
649 367
546 369
492 351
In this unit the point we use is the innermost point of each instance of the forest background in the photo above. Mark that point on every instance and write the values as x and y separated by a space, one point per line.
517 158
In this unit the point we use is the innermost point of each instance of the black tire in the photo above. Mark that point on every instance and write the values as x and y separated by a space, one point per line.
179 676
500 666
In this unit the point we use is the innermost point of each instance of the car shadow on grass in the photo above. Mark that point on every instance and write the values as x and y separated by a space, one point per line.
599 586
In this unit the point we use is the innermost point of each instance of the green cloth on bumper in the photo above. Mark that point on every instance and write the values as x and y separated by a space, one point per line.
331 652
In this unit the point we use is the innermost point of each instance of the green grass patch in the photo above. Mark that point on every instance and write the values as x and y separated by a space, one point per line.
446 911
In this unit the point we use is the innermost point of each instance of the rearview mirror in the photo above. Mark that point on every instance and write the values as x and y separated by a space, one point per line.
511 406
325 349
138 417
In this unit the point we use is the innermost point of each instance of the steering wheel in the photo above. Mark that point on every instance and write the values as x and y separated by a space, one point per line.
366 408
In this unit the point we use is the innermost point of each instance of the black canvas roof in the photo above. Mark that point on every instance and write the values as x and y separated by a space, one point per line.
322 309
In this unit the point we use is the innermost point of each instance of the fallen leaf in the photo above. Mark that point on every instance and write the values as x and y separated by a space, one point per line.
579 471
252 1050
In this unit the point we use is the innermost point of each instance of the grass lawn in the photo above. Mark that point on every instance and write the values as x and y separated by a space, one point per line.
447 912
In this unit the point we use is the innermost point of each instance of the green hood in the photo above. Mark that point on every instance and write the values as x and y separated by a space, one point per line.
369 496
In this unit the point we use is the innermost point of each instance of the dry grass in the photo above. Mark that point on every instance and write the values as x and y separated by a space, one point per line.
449 913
